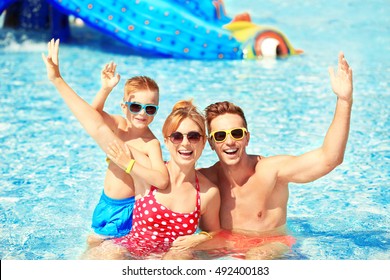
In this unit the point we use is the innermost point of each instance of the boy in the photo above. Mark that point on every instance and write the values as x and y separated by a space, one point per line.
140 105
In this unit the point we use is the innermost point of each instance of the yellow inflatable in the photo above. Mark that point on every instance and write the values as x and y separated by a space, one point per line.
260 41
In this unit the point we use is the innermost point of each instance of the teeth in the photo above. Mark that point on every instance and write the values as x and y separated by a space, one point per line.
185 152
230 151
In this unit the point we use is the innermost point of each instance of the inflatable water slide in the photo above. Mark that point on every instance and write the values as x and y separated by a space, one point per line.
4 4
178 28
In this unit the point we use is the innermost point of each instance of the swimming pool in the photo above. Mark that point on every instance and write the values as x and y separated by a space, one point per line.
52 172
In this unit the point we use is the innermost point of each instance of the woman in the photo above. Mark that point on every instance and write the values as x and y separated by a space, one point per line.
166 220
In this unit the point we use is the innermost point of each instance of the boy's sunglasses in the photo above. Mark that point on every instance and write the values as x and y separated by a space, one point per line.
177 137
136 108
235 133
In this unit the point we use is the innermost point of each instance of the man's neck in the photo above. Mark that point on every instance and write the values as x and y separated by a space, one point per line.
238 174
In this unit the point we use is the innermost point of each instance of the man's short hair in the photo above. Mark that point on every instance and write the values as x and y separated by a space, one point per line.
220 108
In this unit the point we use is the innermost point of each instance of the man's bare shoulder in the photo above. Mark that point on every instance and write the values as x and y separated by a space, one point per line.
274 159
270 165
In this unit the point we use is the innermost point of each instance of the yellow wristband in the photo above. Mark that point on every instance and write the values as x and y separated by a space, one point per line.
206 233
130 166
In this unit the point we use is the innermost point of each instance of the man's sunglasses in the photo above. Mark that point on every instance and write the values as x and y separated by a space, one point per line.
177 137
136 108
235 133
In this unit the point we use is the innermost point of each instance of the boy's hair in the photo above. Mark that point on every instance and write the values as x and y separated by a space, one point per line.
219 108
138 83
180 111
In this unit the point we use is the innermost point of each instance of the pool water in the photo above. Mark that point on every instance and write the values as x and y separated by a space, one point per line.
52 172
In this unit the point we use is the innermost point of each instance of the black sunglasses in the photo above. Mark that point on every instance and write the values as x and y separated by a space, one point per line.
177 137
136 108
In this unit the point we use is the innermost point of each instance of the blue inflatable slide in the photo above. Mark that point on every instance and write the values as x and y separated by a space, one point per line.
177 28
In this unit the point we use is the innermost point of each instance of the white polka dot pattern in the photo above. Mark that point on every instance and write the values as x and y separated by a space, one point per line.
156 227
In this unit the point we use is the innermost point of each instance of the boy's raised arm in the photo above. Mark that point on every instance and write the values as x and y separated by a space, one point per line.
109 80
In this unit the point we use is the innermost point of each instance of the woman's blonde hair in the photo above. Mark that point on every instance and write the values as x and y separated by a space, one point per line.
180 111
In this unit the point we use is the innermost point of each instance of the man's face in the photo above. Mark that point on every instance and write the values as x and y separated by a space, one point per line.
230 149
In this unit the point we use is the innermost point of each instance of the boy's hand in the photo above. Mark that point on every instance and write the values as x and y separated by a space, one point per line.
51 61
342 80
108 77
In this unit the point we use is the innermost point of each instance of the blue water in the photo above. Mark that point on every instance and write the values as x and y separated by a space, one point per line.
52 172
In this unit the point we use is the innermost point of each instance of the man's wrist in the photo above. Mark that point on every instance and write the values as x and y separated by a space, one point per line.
346 102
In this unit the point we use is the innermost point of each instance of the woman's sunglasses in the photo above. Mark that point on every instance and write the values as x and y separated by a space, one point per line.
177 137
136 108
235 133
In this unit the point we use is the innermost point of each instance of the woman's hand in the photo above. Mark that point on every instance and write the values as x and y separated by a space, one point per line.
188 241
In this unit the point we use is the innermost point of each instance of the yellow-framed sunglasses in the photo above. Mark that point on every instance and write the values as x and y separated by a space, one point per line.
236 133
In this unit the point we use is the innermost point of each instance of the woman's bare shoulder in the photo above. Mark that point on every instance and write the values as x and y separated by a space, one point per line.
211 173
205 184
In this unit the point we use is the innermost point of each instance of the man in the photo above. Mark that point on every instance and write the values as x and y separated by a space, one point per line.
254 189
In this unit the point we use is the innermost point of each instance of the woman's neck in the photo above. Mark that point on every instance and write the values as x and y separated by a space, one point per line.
180 174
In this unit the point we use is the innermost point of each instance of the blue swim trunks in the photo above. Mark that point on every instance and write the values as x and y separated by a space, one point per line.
113 217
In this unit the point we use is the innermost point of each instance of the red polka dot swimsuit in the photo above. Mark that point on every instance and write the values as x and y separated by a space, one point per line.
155 226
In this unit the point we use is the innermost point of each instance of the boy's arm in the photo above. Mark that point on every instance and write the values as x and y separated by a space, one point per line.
150 169
109 80
315 164
157 174
89 118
